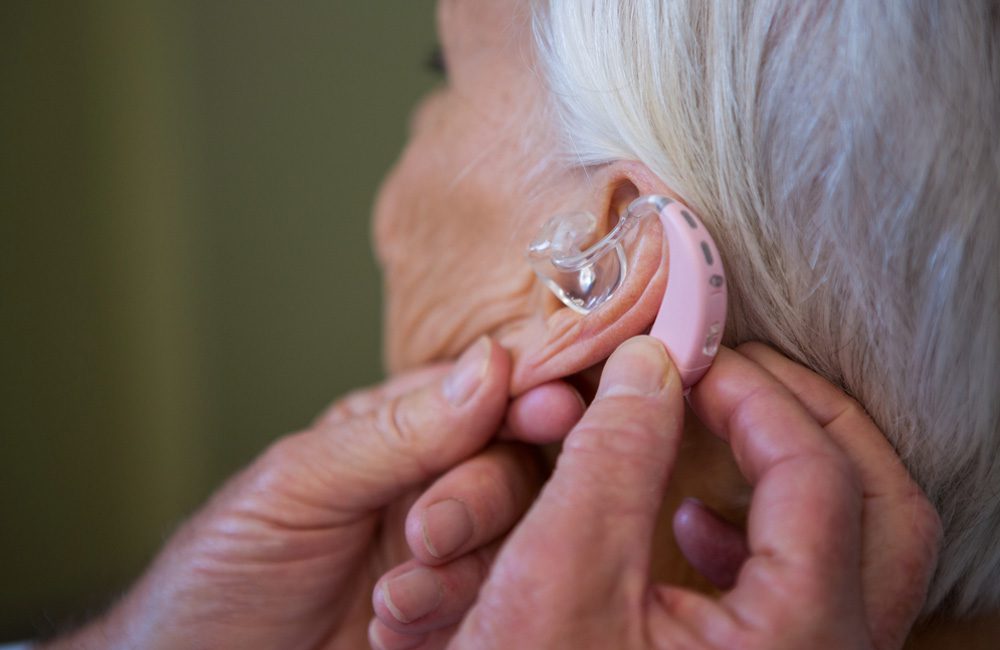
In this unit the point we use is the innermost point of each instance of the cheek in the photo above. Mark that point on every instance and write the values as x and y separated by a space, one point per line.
417 206
444 236
415 216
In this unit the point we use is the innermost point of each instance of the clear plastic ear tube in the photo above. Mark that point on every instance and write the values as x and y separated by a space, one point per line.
693 311
585 278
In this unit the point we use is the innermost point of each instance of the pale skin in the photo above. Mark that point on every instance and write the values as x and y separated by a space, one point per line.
419 478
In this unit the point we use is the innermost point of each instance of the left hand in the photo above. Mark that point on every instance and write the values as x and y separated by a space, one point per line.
285 555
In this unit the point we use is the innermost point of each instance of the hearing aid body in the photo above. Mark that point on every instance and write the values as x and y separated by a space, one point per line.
692 313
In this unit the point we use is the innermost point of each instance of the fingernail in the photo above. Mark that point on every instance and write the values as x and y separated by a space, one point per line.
639 367
468 373
447 525
412 595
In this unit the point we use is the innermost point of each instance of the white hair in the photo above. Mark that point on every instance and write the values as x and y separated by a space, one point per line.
846 157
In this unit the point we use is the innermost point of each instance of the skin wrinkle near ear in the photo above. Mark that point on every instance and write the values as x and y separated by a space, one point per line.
562 328
480 160
634 292
587 340
614 186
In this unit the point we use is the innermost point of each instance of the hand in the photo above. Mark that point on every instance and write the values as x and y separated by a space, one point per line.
286 554
838 552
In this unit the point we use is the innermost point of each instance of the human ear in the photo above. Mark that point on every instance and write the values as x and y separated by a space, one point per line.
563 342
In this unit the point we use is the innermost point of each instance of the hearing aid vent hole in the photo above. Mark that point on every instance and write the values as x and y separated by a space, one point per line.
707 252
687 217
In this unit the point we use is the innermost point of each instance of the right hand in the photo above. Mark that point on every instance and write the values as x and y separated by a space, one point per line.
840 546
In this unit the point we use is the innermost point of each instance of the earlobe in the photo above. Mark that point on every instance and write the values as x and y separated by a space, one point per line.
562 342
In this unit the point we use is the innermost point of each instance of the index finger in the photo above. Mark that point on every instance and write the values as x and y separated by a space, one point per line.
902 530
804 525
881 471
365 400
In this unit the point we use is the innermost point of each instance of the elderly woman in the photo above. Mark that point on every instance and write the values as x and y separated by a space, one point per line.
845 156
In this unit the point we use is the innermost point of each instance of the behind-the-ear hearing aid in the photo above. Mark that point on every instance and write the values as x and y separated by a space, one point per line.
693 311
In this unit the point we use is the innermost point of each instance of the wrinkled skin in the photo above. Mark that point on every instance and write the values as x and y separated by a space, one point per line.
454 215
474 183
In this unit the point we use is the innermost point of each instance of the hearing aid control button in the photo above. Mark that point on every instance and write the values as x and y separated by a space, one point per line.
716 281
707 252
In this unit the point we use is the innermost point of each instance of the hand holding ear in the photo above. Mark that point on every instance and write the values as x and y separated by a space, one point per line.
286 554
841 543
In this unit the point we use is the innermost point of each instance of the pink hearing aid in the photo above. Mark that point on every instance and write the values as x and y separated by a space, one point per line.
692 314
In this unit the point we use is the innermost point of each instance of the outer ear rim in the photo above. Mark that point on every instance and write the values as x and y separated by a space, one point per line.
566 342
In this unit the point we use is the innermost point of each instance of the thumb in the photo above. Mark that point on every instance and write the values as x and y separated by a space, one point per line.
614 466
358 464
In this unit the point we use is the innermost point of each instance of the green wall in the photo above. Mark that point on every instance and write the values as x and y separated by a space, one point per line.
185 268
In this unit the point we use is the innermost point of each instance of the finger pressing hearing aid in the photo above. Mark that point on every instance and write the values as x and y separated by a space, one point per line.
473 504
616 461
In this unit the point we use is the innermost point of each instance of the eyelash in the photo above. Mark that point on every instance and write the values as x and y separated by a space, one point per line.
435 62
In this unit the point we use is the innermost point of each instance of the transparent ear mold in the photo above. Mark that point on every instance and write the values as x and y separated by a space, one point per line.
692 312
582 277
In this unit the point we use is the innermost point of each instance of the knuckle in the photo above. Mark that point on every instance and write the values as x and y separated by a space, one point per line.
754 408
850 414
394 424
354 403
336 414
786 590
283 477
408 435
752 412
281 458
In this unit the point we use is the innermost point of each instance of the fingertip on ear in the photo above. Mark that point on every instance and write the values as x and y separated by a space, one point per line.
564 342
570 342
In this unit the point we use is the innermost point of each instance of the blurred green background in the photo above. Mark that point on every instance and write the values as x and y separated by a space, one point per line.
185 189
